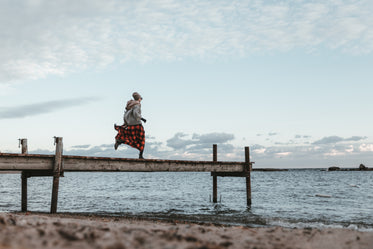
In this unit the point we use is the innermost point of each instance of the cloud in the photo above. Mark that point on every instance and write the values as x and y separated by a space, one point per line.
214 137
366 147
329 140
301 136
23 111
286 143
83 146
198 141
336 139
153 149
272 134
331 150
41 38
176 142
183 147
180 147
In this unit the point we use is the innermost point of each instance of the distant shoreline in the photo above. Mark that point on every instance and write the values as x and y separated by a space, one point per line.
352 169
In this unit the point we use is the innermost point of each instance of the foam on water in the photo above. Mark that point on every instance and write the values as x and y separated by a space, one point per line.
318 225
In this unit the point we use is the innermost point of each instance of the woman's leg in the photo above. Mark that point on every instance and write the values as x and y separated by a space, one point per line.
140 155
119 138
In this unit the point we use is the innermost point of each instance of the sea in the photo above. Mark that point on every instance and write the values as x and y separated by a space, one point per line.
301 198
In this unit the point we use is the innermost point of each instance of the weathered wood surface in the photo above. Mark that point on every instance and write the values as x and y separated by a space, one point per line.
214 177
17 162
248 177
57 168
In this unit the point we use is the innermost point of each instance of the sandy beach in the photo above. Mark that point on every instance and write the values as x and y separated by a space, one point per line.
35 230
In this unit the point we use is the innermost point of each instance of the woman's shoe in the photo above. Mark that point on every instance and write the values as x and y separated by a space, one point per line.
140 155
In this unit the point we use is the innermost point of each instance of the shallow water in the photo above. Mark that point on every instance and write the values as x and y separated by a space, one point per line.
295 198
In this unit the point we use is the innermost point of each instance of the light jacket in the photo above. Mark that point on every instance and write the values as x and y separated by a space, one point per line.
132 116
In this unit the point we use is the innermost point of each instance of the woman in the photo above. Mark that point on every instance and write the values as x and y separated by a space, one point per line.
132 132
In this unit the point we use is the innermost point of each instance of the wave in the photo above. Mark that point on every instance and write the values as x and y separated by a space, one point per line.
319 225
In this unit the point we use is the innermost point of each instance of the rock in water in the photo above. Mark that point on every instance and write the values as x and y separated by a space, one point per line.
362 167
334 168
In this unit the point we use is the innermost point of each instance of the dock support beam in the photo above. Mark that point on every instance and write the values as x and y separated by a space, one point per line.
214 178
23 143
247 167
248 176
57 169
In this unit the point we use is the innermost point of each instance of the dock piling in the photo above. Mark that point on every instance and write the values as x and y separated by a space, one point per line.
23 143
214 178
248 176
57 168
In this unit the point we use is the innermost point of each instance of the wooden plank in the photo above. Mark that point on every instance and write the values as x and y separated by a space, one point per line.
71 164
17 162
38 173
230 174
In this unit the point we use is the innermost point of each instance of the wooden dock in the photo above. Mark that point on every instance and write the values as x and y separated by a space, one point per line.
36 165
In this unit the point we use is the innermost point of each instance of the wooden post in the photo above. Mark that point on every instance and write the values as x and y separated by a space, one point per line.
23 143
214 178
57 168
248 176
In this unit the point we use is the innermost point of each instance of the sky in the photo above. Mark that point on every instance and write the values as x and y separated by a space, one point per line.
291 79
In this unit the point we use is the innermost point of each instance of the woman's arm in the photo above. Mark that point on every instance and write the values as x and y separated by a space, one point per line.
137 112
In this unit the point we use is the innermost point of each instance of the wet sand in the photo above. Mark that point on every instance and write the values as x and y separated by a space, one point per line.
35 230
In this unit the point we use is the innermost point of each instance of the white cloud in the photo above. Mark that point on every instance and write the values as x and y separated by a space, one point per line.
350 149
259 151
283 154
366 147
334 152
43 37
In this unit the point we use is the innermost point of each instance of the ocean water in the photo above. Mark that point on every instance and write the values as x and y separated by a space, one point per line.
294 198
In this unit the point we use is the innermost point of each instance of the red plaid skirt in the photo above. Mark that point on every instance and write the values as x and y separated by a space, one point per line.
133 135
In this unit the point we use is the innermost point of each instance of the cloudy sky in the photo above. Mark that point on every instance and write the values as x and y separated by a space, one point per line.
291 79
